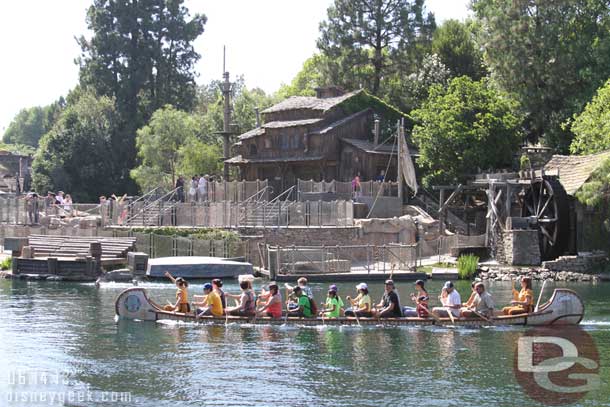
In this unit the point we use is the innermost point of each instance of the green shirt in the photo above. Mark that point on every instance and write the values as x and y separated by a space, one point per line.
304 302
329 304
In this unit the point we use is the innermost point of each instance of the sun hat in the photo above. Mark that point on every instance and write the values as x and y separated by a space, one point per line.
362 286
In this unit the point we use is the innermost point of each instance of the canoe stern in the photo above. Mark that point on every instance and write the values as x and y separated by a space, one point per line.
133 303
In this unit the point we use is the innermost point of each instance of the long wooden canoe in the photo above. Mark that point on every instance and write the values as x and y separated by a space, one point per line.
565 307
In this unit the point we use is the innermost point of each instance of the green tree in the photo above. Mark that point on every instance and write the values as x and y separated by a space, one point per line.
551 54
454 43
463 128
159 144
141 54
311 76
29 125
74 155
592 126
366 40
198 158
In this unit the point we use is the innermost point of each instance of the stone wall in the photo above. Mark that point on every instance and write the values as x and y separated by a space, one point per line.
583 263
521 247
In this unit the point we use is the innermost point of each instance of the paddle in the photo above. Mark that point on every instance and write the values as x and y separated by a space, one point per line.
477 313
451 317
429 311
355 312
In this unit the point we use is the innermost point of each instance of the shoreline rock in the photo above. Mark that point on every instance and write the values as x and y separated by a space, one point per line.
512 273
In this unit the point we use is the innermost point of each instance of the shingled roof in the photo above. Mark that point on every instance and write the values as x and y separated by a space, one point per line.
575 170
309 102
259 131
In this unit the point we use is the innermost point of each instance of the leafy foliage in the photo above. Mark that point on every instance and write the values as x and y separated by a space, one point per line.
28 127
467 266
367 40
466 127
455 44
141 54
231 238
596 191
552 55
592 126
76 154
159 144
6 264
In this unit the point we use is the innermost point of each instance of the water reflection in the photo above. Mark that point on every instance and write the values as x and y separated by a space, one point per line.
71 328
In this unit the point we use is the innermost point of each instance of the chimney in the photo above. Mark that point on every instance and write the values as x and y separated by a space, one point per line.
324 92
377 130
258 117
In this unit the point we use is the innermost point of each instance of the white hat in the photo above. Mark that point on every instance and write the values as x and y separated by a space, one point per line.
362 286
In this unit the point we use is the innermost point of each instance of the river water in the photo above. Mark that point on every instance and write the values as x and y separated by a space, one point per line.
60 345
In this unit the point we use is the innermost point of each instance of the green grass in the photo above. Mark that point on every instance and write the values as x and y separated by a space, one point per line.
467 266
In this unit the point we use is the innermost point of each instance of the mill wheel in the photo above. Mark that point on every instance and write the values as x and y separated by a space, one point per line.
545 202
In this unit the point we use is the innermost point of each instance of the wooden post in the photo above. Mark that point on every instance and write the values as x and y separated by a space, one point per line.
441 219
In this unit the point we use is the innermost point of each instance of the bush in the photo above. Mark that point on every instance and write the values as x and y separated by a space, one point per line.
6 264
467 266
231 238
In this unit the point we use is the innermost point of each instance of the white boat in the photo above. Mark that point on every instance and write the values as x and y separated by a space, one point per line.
197 267
565 307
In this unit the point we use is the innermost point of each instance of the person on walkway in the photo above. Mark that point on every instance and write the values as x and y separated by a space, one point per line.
68 205
482 303
217 286
273 301
303 304
202 189
193 189
389 306
523 301
356 186
180 188
361 305
210 303
451 300
420 298
182 295
31 203
247 304
332 307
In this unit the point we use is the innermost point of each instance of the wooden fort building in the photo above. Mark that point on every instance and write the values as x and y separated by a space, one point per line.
330 136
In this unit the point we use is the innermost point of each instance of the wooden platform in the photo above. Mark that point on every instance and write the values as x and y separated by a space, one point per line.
71 246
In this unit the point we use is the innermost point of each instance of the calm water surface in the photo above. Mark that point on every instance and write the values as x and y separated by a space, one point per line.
60 345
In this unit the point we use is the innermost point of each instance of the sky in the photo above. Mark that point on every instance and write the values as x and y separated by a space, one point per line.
267 41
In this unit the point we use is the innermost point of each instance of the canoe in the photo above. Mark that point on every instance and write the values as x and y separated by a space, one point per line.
565 307
197 267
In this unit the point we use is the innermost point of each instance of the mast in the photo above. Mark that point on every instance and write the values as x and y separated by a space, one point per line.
226 125
399 160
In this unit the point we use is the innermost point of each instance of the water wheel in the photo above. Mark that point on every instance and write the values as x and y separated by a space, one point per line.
545 202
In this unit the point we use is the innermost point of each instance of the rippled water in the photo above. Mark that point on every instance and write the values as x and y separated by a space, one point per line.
61 340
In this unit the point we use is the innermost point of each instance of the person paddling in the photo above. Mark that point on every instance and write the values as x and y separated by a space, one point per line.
451 301
217 287
332 306
523 301
211 303
420 299
182 296
247 304
389 306
361 305
303 305
482 304
273 305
